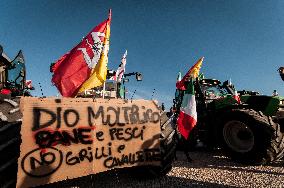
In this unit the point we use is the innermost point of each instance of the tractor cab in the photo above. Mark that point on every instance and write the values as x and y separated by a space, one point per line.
212 89
209 90
111 88
13 75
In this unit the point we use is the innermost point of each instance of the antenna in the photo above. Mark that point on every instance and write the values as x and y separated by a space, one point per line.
133 95
153 93
41 89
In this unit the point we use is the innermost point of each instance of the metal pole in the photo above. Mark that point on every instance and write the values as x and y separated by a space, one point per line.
123 88
104 90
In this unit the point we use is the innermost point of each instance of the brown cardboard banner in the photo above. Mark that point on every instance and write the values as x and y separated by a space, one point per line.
66 138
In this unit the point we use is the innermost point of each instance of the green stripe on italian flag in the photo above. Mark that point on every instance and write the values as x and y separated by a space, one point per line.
188 116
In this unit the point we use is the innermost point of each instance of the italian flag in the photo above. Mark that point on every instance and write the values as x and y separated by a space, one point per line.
188 116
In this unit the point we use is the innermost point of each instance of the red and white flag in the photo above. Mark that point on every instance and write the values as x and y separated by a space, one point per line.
28 84
121 69
179 77
237 97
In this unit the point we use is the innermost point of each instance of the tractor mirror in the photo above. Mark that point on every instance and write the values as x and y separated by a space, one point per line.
125 80
281 72
139 76
51 67
110 73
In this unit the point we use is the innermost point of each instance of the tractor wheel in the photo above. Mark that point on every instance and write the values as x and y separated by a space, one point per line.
168 144
9 141
251 137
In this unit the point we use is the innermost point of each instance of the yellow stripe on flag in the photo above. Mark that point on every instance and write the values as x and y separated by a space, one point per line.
196 68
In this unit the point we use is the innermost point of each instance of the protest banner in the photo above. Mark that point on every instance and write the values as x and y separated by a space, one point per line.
65 138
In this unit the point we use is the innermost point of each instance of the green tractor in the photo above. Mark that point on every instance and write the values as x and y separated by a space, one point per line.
250 128
12 86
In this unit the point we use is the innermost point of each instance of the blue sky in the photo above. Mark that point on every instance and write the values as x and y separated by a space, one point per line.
242 40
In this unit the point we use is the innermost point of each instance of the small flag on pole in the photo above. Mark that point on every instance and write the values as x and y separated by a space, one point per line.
179 77
28 84
237 97
121 68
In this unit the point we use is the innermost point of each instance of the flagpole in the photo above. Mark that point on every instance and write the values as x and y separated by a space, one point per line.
116 89
109 14
104 87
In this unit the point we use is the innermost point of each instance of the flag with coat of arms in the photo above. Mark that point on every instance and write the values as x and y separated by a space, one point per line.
85 66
